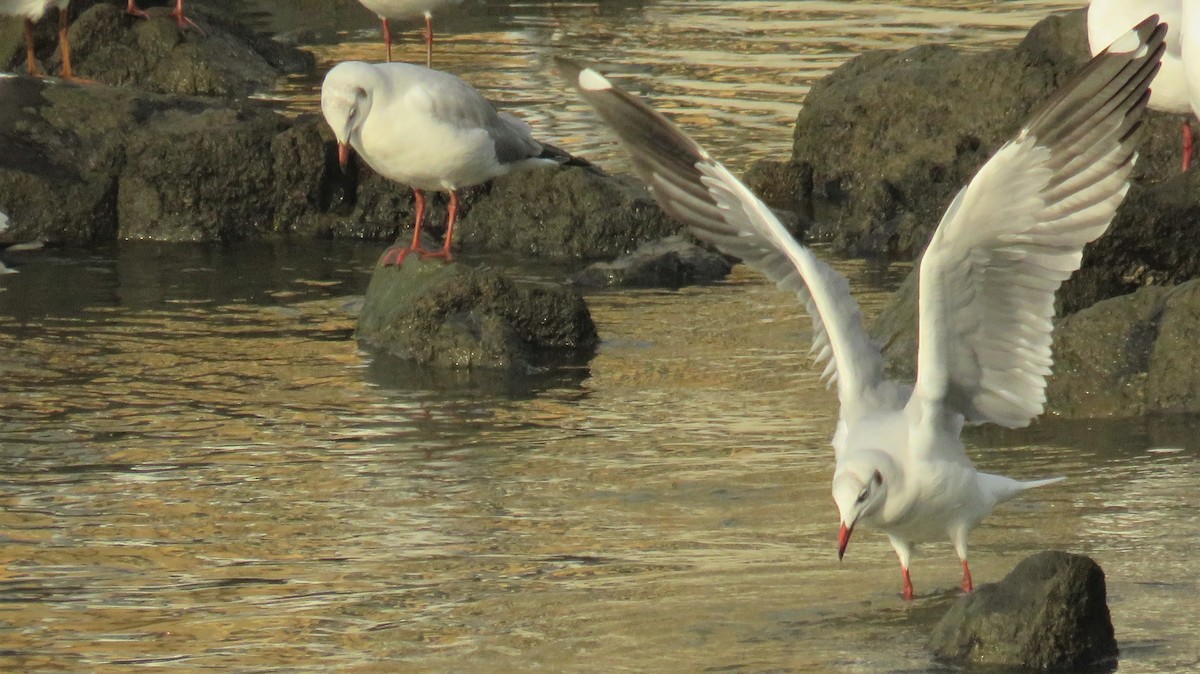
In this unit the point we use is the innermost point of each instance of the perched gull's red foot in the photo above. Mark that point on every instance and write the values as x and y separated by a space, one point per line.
444 253
132 9
967 585
396 254
907 592
426 129
180 18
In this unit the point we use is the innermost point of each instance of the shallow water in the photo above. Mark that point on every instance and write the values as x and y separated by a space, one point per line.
200 470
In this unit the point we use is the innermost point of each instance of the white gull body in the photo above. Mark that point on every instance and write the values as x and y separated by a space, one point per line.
387 10
426 129
987 284
1190 51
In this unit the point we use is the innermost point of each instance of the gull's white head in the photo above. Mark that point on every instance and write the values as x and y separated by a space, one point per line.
346 97
859 490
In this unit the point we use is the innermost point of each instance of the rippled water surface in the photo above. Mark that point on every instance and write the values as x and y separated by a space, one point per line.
200 470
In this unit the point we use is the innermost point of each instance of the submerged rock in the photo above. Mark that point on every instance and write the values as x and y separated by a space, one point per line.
1050 612
456 317
673 262
112 47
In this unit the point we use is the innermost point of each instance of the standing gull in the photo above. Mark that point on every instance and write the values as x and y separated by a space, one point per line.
1108 20
987 284
32 10
426 129
407 9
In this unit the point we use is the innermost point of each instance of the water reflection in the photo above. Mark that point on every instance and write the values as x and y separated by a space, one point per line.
735 73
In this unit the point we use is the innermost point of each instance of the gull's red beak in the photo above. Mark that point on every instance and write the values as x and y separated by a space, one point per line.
844 539
343 154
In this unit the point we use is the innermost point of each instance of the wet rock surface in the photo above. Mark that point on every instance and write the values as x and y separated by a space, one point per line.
673 262
1048 613
174 168
1129 356
456 317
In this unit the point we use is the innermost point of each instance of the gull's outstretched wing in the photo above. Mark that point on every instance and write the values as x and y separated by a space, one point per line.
1017 231
698 191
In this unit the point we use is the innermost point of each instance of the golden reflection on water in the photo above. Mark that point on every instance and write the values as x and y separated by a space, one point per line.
230 487
733 73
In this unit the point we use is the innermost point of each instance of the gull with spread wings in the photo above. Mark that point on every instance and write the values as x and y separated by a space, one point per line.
987 282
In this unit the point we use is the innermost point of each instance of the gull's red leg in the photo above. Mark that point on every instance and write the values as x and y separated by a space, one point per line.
428 40
387 37
131 8
967 585
30 56
395 255
444 253
1187 144
182 19
907 592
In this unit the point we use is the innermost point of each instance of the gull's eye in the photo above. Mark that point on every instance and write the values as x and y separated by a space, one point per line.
862 497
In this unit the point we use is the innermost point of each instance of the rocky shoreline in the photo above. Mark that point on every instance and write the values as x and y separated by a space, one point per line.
172 150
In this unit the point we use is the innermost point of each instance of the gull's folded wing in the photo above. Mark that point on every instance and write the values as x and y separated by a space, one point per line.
698 191
1017 231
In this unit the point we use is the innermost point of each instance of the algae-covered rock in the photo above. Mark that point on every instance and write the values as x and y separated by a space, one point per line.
673 262
1129 356
562 213
1050 612
86 164
454 316
1152 241
784 186
1102 356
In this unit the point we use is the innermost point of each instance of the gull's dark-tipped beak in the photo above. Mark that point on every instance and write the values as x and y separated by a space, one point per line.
844 539
343 155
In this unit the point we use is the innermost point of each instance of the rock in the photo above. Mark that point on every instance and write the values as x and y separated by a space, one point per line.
1129 356
1102 357
673 262
454 317
174 168
111 47
565 213
1152 241
143 166
787 187
891 137
1050 612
